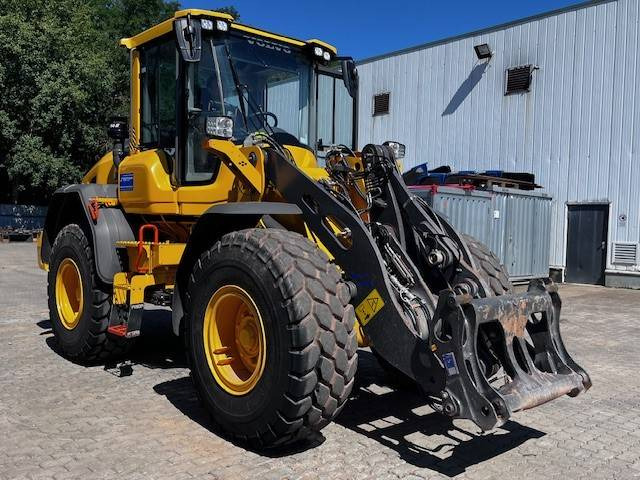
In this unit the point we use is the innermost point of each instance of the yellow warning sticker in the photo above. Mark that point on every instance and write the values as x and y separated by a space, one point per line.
371 305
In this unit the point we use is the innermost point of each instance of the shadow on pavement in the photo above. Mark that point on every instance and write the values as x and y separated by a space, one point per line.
182 395
400 420
157 346
45 325
397 418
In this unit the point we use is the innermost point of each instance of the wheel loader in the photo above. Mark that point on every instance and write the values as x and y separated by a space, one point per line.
280 254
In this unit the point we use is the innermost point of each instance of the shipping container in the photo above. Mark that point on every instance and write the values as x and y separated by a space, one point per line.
515 224
21 217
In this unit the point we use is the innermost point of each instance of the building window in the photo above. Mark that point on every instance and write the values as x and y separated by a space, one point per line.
381 104
519 79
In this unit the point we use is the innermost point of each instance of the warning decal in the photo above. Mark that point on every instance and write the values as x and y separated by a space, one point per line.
371 305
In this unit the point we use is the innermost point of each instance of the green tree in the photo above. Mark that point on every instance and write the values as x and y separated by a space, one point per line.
62 76
231 10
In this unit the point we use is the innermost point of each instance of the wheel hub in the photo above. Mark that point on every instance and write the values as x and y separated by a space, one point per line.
69 295
234 340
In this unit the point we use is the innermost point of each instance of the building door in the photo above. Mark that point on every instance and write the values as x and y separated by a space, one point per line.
587 243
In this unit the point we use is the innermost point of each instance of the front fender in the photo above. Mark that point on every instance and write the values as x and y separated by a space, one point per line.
212 225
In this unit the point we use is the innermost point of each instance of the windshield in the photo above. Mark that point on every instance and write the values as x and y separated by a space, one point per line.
275 84
275 77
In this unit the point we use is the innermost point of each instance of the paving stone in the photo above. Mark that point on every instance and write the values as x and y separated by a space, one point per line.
64 421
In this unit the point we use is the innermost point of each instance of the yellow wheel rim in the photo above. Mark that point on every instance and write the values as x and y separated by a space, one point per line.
69 297
234 340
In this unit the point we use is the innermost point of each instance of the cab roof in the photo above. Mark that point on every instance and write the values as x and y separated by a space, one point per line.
167 26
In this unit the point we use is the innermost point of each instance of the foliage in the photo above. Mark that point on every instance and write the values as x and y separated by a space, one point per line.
231 10
62 76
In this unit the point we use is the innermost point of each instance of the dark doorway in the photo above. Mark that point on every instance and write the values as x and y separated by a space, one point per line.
587 243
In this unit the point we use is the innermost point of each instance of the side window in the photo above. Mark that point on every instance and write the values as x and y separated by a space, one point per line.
334 112
158 95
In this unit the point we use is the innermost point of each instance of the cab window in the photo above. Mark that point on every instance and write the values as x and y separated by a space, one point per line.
204 99
158 92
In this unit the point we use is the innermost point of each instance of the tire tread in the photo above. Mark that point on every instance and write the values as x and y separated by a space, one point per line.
98 345
489 264
311 287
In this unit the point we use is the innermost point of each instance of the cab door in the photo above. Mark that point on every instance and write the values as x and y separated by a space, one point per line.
203 178
144 176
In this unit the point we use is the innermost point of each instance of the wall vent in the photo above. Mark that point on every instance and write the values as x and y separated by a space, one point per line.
518 79
381 104
625 253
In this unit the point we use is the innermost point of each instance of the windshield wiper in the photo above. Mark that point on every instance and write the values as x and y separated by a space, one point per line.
238 86
245 95
214 52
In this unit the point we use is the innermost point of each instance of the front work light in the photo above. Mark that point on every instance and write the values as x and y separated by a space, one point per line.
220 127
220 25
326 56
397 148
317 51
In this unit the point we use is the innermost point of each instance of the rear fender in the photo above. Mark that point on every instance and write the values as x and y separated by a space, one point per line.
212 225
70 205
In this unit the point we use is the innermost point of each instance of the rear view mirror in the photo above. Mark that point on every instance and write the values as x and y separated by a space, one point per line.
189 37
118 131
350 76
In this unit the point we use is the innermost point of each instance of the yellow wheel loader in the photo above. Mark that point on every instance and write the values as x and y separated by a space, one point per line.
277 254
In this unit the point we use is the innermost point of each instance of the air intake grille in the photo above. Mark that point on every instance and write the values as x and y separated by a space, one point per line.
625 253
518 79
381 104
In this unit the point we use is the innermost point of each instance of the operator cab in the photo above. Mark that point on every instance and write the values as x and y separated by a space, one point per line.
203 76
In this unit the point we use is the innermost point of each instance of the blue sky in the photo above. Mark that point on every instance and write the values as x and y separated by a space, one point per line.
367 28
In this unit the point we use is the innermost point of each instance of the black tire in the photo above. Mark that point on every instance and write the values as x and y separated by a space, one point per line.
495 274
311 347
88 341
489 266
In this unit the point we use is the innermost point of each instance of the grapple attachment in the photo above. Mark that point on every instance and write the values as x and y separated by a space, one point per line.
483 358
503 354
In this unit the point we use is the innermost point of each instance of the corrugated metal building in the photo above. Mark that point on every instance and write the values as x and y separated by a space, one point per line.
576 128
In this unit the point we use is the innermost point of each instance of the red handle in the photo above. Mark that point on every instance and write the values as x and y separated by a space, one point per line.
143 228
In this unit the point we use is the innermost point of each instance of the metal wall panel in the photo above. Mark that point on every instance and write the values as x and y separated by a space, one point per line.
524 233
284 102
335 112
576 129
343 115
325 109
290 104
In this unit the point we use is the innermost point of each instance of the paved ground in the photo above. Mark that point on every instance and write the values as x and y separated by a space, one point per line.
62 420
